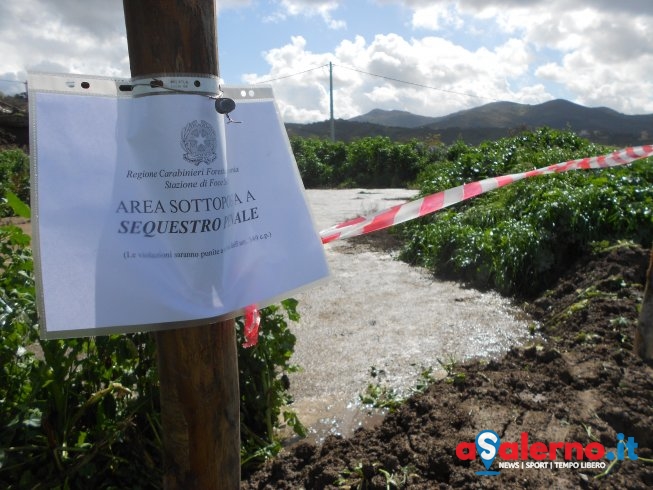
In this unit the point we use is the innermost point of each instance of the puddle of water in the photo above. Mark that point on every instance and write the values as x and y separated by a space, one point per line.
379 312
332 416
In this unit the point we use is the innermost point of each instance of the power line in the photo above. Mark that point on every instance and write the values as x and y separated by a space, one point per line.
13 81
291 75
383 77
416 84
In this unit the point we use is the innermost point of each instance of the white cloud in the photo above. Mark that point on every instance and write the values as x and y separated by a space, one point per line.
595 51
624 85
443 77
323 9
62 36
67 36
435 17
604 54
307 92
232 4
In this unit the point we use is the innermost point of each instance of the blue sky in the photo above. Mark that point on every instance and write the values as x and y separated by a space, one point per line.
245 33
456 53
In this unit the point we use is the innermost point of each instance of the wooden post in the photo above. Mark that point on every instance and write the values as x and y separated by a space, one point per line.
644 334
198 367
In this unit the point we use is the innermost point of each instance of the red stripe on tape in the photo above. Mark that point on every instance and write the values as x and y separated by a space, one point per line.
504 180
330 238
472 190
432 203
351 222
382 220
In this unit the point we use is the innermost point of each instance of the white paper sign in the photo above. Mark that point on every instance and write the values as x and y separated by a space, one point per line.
152 212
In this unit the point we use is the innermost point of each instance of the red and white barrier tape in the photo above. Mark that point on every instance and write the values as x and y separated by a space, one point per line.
434 202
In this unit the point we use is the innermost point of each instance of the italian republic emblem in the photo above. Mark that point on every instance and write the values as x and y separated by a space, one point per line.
199 141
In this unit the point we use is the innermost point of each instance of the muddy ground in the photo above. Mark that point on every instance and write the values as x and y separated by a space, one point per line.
577 381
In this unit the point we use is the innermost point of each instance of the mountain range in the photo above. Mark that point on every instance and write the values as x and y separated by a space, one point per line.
488 122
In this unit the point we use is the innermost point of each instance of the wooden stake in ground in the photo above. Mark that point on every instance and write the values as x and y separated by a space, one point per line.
644 334
198 367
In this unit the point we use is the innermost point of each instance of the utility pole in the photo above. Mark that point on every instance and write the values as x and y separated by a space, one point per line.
198 366
333 124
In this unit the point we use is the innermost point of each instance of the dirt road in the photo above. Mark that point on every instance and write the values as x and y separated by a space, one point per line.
376 311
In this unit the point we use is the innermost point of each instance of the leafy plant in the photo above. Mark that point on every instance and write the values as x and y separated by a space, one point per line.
424 380
361 475
365 162
74 413
517 239
454 376
14 176
380 395
357 478
321 163
397 480
264 383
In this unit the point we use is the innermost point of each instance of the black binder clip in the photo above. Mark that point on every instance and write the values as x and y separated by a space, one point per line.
224 105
